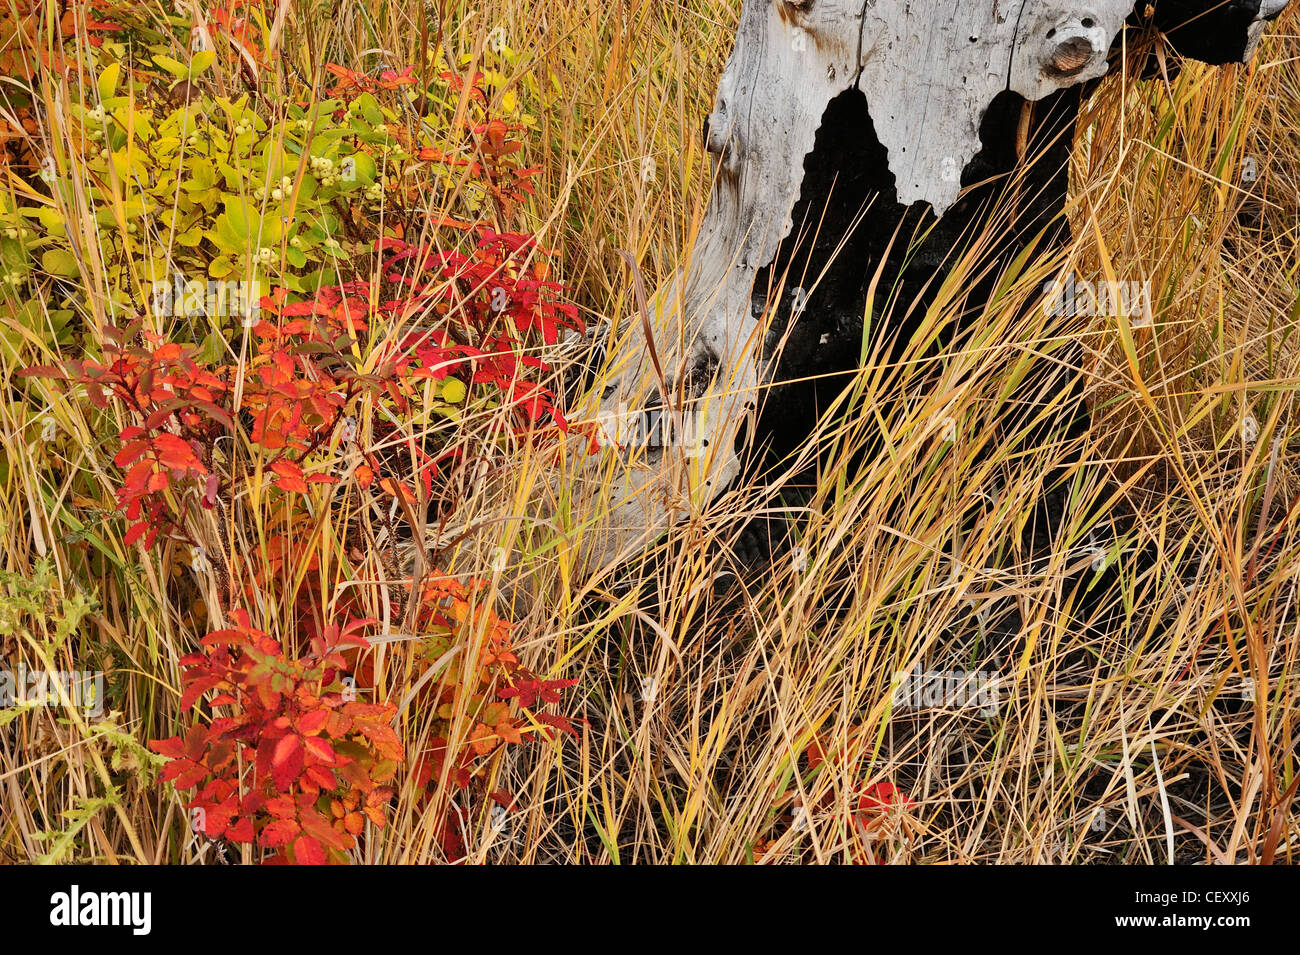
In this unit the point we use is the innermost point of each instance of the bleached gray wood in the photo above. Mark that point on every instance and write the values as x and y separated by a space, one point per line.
929 70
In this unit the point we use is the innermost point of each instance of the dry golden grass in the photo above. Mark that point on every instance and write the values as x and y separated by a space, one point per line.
1124 730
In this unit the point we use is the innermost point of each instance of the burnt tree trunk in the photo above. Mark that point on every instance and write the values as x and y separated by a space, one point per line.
841 129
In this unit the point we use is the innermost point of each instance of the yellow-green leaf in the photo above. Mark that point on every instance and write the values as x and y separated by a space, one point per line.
453 391
107 83
52 220
174 67
60 262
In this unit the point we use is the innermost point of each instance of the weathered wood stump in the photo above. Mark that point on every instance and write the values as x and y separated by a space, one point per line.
840 125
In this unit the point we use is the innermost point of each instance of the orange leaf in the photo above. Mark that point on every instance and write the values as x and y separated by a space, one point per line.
482 740
175 453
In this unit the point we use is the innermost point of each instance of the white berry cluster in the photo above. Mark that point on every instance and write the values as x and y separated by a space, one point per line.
278 192
323 167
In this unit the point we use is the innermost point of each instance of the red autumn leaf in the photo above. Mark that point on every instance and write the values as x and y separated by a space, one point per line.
281 806
383 738
130 452
877 798
319 777
320 750
286 468
183 774
175 453
286 761
278 832
172 748
307 851
289 475
241 831
561 723
310 724
196 689
398 490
